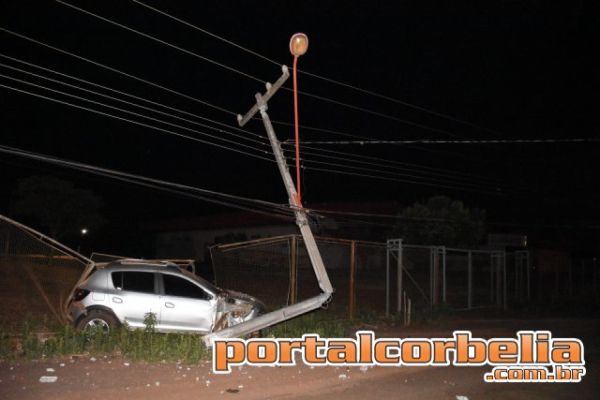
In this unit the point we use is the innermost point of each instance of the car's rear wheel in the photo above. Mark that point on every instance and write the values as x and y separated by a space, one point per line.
98 321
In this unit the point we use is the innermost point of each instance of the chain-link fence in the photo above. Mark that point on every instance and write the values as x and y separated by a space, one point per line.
279 272
366 275
457 278
38 275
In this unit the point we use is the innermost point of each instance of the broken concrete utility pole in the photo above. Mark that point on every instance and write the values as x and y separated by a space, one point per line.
289 312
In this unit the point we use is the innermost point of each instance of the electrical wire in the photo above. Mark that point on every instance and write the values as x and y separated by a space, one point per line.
313 75
179 126
359 158
142 80
342 214
220 198
420 183
89 91
337 171
469 141
134 122
104 66
355 136
324 130
466 186
382 173
392 168
255 78
220 130
333 101
229 126
147 117
115 70
164 42
234 201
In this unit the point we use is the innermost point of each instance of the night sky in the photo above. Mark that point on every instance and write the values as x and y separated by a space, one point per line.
515 69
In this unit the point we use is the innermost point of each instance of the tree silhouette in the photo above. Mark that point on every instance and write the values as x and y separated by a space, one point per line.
441 221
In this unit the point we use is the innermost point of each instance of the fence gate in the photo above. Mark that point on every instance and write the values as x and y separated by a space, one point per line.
458 278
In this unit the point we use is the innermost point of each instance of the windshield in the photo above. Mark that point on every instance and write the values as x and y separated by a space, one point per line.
202 281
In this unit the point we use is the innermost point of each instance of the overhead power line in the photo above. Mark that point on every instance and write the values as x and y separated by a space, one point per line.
448 185
313 75
230 142
351 166
336 168
437 141
255 78
330 170
145 125
169 90
150 83
117 71
391 163
229 126
390 167
381 174
253 137
240 202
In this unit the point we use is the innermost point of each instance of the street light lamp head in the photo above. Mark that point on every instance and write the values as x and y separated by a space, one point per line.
84 231
298 44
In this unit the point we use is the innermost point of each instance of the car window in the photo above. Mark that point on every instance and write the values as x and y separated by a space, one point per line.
202 281
134 281
176 286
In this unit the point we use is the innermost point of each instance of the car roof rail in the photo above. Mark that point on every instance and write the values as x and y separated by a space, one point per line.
150 263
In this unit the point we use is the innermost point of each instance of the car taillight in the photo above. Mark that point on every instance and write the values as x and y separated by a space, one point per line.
80 294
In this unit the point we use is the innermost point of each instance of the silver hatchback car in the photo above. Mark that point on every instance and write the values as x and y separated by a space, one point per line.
125 291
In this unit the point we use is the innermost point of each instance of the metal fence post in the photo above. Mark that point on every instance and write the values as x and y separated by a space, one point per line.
492 267
528 266
505 300
595 277
294 270
352 288
498 280
400 273
387 279
469 280
444 274
431 278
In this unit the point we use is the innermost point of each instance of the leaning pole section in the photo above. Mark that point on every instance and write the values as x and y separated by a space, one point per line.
289 312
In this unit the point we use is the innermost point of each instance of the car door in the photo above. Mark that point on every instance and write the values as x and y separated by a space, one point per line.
185 306
135 296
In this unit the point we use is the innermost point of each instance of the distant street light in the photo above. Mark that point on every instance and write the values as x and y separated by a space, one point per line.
83 232
298 46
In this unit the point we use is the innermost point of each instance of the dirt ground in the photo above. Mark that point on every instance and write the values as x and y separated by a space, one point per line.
84 377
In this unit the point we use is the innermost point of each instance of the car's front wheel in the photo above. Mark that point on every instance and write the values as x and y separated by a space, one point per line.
98 321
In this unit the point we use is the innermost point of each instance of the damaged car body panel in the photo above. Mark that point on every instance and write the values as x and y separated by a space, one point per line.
126 291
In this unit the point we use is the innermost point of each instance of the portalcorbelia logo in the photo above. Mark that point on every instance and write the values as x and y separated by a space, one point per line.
531 356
